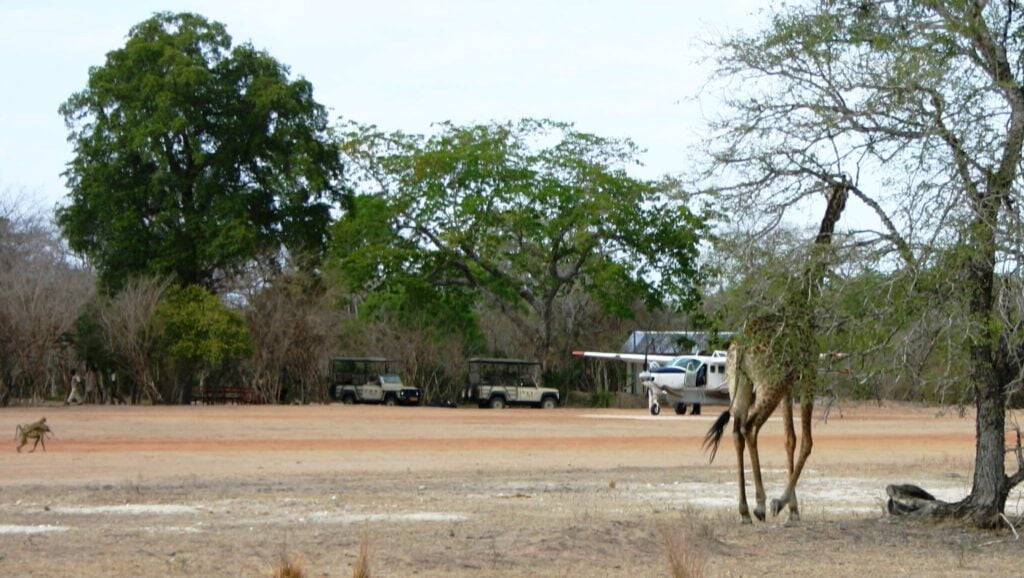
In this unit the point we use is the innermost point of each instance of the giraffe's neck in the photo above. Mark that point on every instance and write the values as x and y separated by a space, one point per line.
814 271
834 209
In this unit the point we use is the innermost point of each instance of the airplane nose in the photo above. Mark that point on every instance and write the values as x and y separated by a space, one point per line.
646 376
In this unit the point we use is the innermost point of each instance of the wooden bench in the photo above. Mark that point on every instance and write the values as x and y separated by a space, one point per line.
233 394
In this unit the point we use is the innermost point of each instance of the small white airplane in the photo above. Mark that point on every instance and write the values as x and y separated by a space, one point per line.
678 380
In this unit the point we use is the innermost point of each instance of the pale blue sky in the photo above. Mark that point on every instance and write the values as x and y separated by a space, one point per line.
624 68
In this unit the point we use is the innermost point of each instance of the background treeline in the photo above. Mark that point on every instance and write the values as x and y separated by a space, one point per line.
221 230
164 341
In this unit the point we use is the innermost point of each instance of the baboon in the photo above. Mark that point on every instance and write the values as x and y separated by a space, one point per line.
37 430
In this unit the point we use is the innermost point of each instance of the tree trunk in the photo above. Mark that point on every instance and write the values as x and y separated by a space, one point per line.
989 492
991 486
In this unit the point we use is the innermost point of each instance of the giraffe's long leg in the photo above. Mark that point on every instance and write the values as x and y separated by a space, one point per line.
753 428
764 403
806 443
794 512
763 408
737 438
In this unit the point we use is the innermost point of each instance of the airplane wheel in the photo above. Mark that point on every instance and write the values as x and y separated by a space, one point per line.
655 409
680 409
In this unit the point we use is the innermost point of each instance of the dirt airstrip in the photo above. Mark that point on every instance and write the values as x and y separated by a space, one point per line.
225 490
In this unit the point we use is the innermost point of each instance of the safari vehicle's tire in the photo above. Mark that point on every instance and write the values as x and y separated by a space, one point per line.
548 403
348 399
390 401
680 409
497 403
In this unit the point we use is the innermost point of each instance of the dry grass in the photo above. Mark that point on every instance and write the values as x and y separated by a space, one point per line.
289 565
685 559
362 566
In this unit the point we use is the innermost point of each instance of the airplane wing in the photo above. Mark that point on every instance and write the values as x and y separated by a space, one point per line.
627 357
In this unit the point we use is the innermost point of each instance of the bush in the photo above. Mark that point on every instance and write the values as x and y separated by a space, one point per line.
602 398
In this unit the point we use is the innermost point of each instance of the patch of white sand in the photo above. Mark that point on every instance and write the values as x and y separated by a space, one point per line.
128 509
172 530
846 495
349 518
10 529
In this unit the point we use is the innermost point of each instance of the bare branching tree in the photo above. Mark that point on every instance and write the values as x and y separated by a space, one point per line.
434 363
41 291
127 322
294 332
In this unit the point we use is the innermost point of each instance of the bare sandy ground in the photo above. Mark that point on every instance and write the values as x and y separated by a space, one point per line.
224 491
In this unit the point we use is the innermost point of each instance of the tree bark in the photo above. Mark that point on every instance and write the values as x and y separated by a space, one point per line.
985 504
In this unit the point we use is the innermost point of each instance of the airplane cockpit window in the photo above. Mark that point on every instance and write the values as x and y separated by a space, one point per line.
686 363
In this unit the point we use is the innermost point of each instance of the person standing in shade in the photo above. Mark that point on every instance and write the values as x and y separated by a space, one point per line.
75 395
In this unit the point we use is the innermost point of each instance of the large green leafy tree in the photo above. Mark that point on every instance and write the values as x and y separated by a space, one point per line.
524 214
391 277
925 101
193 158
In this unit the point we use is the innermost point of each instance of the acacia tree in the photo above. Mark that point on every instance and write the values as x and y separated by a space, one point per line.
193 157
522 214
928 99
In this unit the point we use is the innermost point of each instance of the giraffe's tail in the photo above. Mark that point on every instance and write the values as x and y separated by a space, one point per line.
714 435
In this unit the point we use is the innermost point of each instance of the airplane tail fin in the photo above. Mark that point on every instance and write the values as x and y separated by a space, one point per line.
714 435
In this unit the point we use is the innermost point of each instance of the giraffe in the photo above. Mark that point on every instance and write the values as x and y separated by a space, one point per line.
776 360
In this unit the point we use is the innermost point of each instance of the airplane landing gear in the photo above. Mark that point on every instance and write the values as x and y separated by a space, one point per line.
655 409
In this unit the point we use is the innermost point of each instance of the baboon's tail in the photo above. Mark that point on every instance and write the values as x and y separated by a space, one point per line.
715 434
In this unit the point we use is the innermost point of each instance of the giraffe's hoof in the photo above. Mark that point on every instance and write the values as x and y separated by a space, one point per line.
776 507
759 512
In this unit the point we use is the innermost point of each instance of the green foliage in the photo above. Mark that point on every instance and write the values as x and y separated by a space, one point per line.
523 214
193 158
601 398
197 327
368 257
